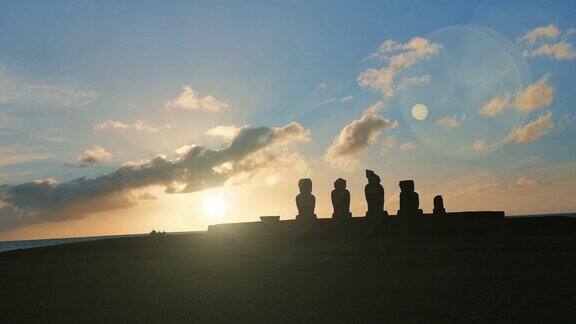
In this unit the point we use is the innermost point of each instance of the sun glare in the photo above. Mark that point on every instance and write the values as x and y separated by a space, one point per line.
215 205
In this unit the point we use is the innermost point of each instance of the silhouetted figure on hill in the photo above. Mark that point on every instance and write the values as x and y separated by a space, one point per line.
305 201
374 193
409 200
439 206
341 200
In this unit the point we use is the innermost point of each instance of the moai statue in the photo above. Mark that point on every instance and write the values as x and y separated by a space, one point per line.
305 201
439 206
341 200
374 193
409 200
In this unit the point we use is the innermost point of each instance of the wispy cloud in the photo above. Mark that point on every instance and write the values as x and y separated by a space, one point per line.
543 41
532 131
190 99
18 154
479 145
536 96
333 100
389 142
398 57
538 34
139 125
20 90
409 146
495 106
375 107
451 121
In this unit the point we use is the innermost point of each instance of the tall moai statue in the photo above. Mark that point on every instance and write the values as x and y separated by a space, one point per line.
305 201
374 193
409 199
439 206
341 200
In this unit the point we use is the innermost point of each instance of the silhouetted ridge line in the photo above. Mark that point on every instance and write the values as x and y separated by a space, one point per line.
409 219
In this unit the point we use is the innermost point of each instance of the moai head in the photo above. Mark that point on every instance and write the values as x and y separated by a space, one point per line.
340 184
438 202
407 185
305 186
372 177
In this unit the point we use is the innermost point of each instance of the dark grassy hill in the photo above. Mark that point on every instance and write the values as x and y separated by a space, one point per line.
525 272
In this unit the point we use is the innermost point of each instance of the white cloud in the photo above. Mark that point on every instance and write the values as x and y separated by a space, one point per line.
451 121
540 33
535 96
533 130
560 51
322 86
399 57
139 125
97 154
190 99
479 145
540 42
356 137
225 132
496 106
409 146
389 142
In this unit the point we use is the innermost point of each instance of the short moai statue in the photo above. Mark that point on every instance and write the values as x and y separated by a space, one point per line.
439 206
341 200
374 193
409 199
305 201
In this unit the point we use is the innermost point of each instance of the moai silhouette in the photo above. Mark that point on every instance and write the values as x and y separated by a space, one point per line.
341 200
305 201
409 199
374 193
439 206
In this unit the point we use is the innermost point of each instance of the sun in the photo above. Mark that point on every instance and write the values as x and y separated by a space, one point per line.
215 205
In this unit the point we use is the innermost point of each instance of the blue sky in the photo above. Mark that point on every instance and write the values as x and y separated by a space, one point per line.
68 66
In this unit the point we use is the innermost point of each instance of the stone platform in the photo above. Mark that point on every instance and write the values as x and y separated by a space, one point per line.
476 221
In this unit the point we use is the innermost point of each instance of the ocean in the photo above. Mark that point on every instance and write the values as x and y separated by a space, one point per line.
15 245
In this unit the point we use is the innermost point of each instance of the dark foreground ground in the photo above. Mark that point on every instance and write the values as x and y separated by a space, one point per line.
525 273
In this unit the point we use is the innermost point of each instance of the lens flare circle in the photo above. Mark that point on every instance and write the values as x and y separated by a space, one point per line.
419 111
474 65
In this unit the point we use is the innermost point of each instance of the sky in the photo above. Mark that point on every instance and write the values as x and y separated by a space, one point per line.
123 117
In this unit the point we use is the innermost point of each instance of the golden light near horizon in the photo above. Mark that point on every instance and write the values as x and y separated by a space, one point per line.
215 205
419 111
